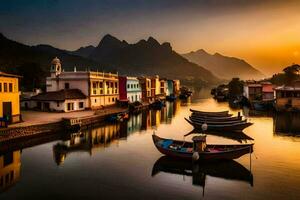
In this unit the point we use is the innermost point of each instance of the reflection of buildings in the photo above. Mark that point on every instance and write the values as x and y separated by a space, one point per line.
100 137
286 122
86 141
10 165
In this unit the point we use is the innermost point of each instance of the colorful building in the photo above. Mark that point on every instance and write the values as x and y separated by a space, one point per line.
163 87
130 89
288 97
101 89
145 84
155 86
9 97
267 91
253 91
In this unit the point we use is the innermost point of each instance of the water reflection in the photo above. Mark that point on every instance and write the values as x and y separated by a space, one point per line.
231 170
10 165
287 123
97 138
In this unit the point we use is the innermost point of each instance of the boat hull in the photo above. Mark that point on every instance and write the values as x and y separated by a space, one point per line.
221 127
205 156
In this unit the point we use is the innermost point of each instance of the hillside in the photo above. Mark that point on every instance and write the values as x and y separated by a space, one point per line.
224 66
148 57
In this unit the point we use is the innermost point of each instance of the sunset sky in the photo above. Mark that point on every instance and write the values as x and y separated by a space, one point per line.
264 33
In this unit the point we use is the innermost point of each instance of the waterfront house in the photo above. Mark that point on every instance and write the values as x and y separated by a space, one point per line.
101 89
169 87
267 91
66 100
145 84
253 90
9 97
130 89
288 97
155 87
176 87
163 87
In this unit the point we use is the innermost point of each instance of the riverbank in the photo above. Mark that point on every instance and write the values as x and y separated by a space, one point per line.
46 123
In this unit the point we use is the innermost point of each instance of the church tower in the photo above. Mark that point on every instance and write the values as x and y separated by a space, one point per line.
55 67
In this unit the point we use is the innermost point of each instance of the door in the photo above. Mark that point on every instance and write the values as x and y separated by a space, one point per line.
7 110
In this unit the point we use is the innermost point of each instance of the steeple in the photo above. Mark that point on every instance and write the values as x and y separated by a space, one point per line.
55 67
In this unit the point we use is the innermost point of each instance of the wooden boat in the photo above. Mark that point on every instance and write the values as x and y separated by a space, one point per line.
228 169
184 150
216 122
222 119
221 127
217 114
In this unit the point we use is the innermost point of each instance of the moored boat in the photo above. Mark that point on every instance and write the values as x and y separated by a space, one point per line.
217 114
216 122
221 127
216 118
211 152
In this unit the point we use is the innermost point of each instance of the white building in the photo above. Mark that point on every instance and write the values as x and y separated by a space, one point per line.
61 101
101 89
134 90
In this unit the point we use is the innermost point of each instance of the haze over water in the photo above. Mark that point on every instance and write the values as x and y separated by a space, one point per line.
120 161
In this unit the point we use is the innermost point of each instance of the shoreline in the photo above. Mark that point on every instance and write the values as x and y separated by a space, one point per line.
20 132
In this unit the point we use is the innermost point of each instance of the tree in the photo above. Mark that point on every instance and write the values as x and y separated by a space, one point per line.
235 87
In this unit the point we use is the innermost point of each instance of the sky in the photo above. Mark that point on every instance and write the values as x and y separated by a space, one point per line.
264 33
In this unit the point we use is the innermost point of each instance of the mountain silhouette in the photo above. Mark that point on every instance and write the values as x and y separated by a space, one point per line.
148 57
224 66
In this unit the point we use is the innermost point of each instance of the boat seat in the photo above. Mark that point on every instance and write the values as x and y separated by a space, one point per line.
166 143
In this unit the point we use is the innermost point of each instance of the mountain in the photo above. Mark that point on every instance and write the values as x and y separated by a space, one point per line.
148 57
83 51
14 54
224 66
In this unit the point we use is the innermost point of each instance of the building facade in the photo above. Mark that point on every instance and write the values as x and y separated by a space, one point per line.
253 91
145 84
155 87
66 100
9 97
101 89
130 89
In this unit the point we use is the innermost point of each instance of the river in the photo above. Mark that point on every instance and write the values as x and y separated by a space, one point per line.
120 161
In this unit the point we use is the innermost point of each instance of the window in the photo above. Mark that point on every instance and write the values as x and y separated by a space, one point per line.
80 104
57 103
113 99
5 87
70 106
95 100
10 87
128 86
67 86
116 84
0 87
101 84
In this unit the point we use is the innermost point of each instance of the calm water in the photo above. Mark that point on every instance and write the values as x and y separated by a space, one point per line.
119 161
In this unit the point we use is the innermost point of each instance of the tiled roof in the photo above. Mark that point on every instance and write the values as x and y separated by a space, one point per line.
60 95
9 75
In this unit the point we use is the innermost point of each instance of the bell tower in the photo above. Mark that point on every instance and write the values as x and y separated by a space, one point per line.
55 67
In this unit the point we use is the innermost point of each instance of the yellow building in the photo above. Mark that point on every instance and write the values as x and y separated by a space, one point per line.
9 97
10 165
